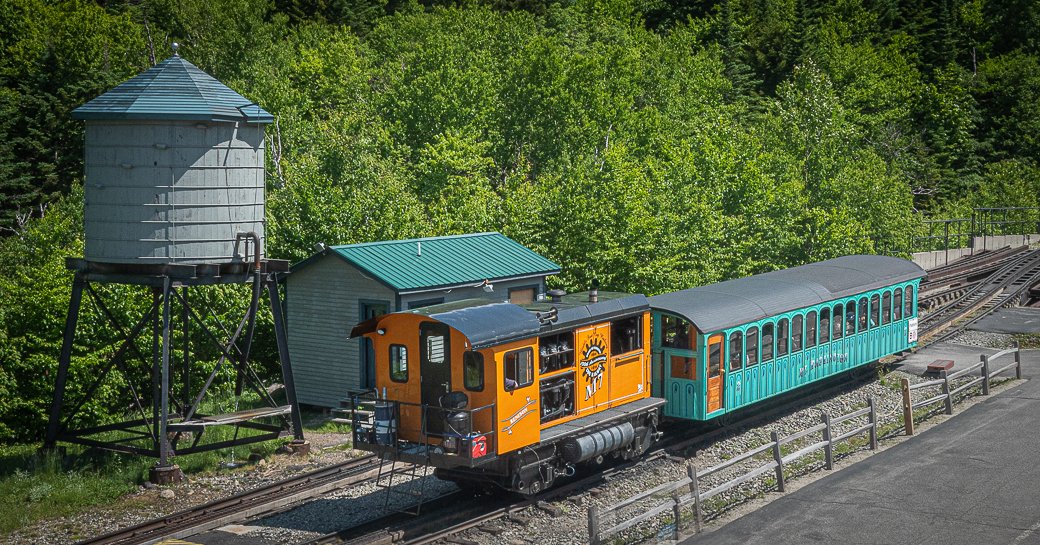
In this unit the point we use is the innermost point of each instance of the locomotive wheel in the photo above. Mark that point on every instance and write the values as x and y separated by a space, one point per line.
534 488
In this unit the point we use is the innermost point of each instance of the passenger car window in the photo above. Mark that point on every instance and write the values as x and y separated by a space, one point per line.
398 363
752 346
677 332
736 351
810 329
825 325
838 321
684 367
897 306
850 318
767 342
519 369
862 314
796 333
782 334
909 303
886 308
874 307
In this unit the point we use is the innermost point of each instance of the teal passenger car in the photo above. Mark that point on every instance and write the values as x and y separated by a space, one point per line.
727 346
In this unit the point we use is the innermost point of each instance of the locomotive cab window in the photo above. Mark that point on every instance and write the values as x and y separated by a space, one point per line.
519 369
555 352
677 333
398 363
473 371
626 335
736 351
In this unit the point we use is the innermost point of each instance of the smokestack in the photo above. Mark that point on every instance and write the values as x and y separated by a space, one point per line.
557 295
594 291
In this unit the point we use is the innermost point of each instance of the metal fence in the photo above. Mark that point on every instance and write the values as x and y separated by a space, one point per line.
945 234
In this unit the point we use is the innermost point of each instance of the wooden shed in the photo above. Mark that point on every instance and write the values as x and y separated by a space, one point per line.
330 292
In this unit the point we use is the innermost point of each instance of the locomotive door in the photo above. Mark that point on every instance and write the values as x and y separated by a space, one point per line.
715 372
592 346
434 372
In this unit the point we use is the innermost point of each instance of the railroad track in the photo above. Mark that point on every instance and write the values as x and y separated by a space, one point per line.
456 512
252 503
970 267
1006 286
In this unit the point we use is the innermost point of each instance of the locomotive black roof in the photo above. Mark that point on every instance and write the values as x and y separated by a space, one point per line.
487 323
743 300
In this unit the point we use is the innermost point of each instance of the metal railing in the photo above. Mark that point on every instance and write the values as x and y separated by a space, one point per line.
947 234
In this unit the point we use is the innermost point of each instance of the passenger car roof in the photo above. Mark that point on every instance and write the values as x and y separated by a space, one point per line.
743 300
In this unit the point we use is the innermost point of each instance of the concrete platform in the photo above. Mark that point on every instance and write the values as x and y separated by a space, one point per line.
1010 320
961 355
971 480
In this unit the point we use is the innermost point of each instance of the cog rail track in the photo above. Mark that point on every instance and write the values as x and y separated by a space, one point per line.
247 504
1006 287
969 267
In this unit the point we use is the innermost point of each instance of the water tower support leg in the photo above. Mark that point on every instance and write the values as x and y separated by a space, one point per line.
283 356
53 424
165 472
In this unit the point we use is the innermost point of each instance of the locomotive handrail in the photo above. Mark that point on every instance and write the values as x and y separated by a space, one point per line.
946 396
775 466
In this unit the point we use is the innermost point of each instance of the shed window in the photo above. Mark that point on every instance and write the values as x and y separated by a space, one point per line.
684 367
838 322
555 352
473 371
909 303
398 363
886 308
897 305
519 369
810 329
677 332
796 333
875 301
752 346
862 314
736 351
782 333
767 342
825 325
626 335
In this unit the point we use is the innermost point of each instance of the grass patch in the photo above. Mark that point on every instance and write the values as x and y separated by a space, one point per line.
1028 340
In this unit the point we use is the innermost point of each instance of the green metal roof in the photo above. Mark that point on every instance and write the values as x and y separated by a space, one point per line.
174 89
421 263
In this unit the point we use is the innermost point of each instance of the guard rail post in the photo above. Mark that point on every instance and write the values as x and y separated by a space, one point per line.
779 462
948 401
908 409
828 447
695 490
1018 362
594 524
985 374
677 513
873 423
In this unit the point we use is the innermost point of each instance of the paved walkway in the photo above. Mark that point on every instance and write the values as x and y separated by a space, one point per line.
973 480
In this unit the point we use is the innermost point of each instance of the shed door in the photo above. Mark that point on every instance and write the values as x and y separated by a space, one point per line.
434 371
715 371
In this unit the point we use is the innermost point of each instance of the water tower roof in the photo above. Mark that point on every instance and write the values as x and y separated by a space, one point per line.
174 89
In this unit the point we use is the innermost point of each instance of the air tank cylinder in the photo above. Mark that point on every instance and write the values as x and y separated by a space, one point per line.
586 447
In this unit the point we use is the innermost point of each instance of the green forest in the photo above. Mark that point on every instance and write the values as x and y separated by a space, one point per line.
650 145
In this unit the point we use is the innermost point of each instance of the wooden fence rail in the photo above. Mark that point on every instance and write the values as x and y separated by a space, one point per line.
685 491
946 393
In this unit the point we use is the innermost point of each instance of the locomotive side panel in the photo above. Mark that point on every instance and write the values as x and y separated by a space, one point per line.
629 370
517 402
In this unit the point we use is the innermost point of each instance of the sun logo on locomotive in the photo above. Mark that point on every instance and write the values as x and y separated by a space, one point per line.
593 363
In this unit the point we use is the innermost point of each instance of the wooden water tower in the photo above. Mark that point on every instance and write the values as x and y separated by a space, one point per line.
175 203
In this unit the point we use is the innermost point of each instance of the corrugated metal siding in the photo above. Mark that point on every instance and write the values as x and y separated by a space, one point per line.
322 307
446 261
174 89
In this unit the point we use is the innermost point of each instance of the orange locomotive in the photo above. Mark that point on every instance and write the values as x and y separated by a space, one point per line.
512 395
